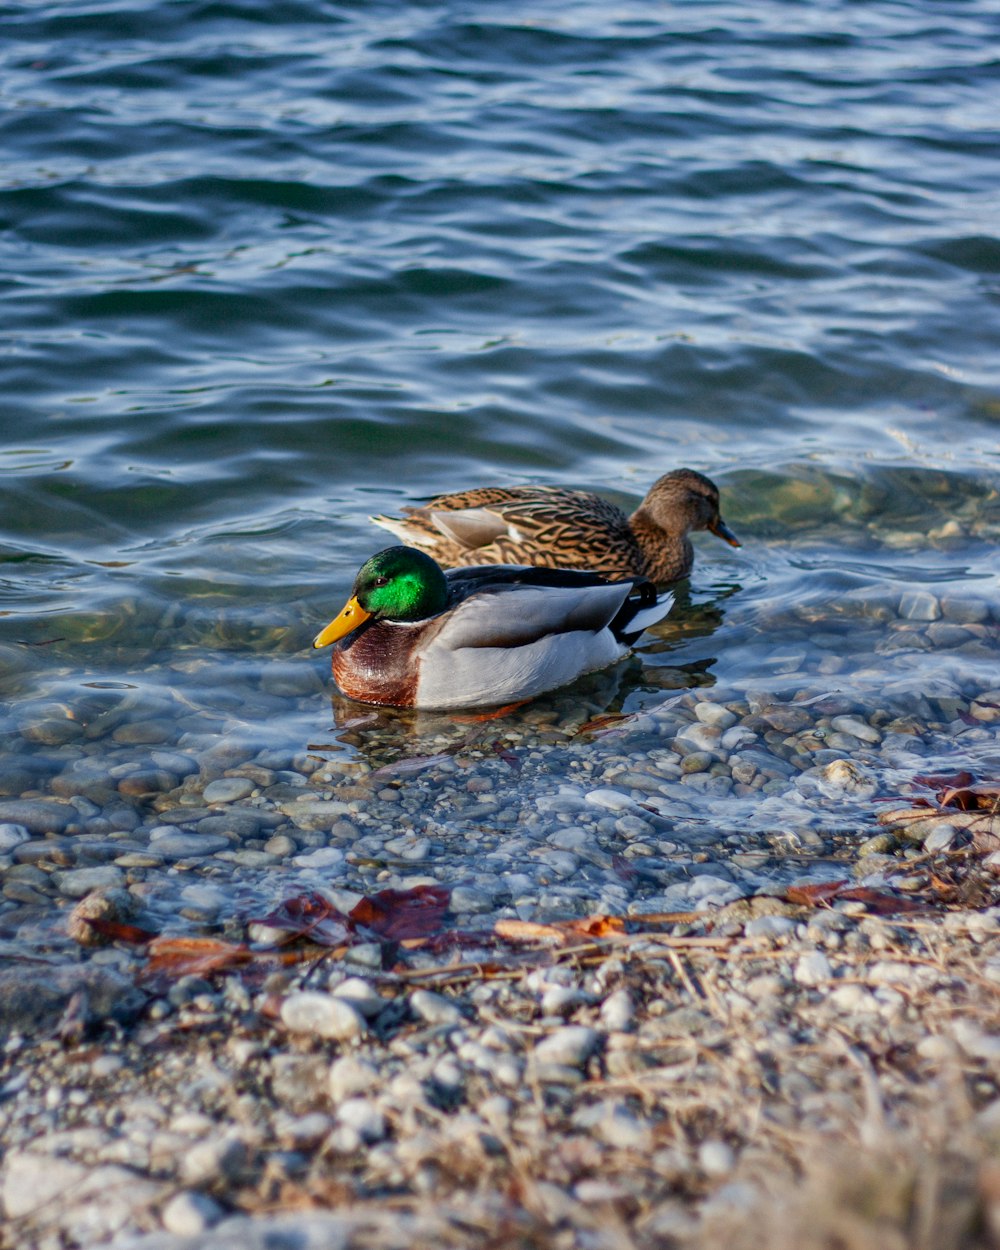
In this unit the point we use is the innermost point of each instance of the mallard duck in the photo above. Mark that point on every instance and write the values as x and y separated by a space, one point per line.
415 636
552 527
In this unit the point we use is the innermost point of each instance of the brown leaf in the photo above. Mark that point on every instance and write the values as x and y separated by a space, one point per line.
310 916
944 781
115 931
596 926
398 914
812 894
180 956
527 931
984 796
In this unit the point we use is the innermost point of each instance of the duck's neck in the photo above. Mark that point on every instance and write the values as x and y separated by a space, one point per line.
667 555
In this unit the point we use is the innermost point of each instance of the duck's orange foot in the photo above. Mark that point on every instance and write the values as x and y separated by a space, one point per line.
477 718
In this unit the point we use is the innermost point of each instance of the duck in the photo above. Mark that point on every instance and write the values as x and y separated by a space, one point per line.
412 635
557 527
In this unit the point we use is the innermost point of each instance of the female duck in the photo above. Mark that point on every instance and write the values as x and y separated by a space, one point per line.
552 527
415 636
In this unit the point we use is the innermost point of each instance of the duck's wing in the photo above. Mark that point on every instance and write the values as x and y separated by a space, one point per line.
513 607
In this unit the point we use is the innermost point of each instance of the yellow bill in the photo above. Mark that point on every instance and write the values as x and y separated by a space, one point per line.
350 618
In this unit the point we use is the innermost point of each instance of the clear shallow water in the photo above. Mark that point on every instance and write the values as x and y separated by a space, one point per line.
270 268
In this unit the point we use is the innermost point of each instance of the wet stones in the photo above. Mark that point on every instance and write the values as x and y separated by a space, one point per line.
37 815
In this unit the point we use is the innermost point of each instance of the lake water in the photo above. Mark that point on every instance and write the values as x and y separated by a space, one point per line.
269 268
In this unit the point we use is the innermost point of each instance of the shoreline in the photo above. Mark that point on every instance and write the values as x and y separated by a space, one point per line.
765 1073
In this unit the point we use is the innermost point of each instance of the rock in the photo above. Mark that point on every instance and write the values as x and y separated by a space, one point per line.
322 1015
216 1158
31 1002
715 714
846 777
435 1008
856 727
350 1076
813 969
94 1203
941 838
12 835
618 1009
919 605
171 843
716 1158
116 906
611 800
569 1047
363 1117
189 1213
38 815
361 995
228 790
82 881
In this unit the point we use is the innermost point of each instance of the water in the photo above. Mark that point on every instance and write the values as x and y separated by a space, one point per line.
269 268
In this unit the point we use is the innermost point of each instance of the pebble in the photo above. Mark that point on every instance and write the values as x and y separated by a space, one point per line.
189 1213
435 1008
37 815
172 843
310 1011
941 838
363 1117
568 1047
80 881
350 1076
919 605
361 995
618 1011
813 969
12 835
716 1158
856 727
228 790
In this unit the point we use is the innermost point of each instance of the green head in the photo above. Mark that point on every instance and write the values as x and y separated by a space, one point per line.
401 584
397 584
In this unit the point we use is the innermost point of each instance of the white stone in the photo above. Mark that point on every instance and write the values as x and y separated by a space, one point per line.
363 1117
350 1076
612 800
228 789
919 605
189 1213
434 1008
310 1011
941 838
716 1158
322 857
206 1161
856 727
362 996
618 1011
12 835
813 969
715 714
571 1046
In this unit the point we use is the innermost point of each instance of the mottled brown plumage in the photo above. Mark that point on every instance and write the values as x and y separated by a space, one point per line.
554 527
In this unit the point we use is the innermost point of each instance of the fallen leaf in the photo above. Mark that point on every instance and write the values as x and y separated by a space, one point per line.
398 914
527 931
596 926
310 916
813 893
115 931
181 956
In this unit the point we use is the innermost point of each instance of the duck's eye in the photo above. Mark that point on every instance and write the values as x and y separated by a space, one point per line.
381 581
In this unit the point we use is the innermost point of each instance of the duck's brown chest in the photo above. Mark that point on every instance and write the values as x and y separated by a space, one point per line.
376 664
